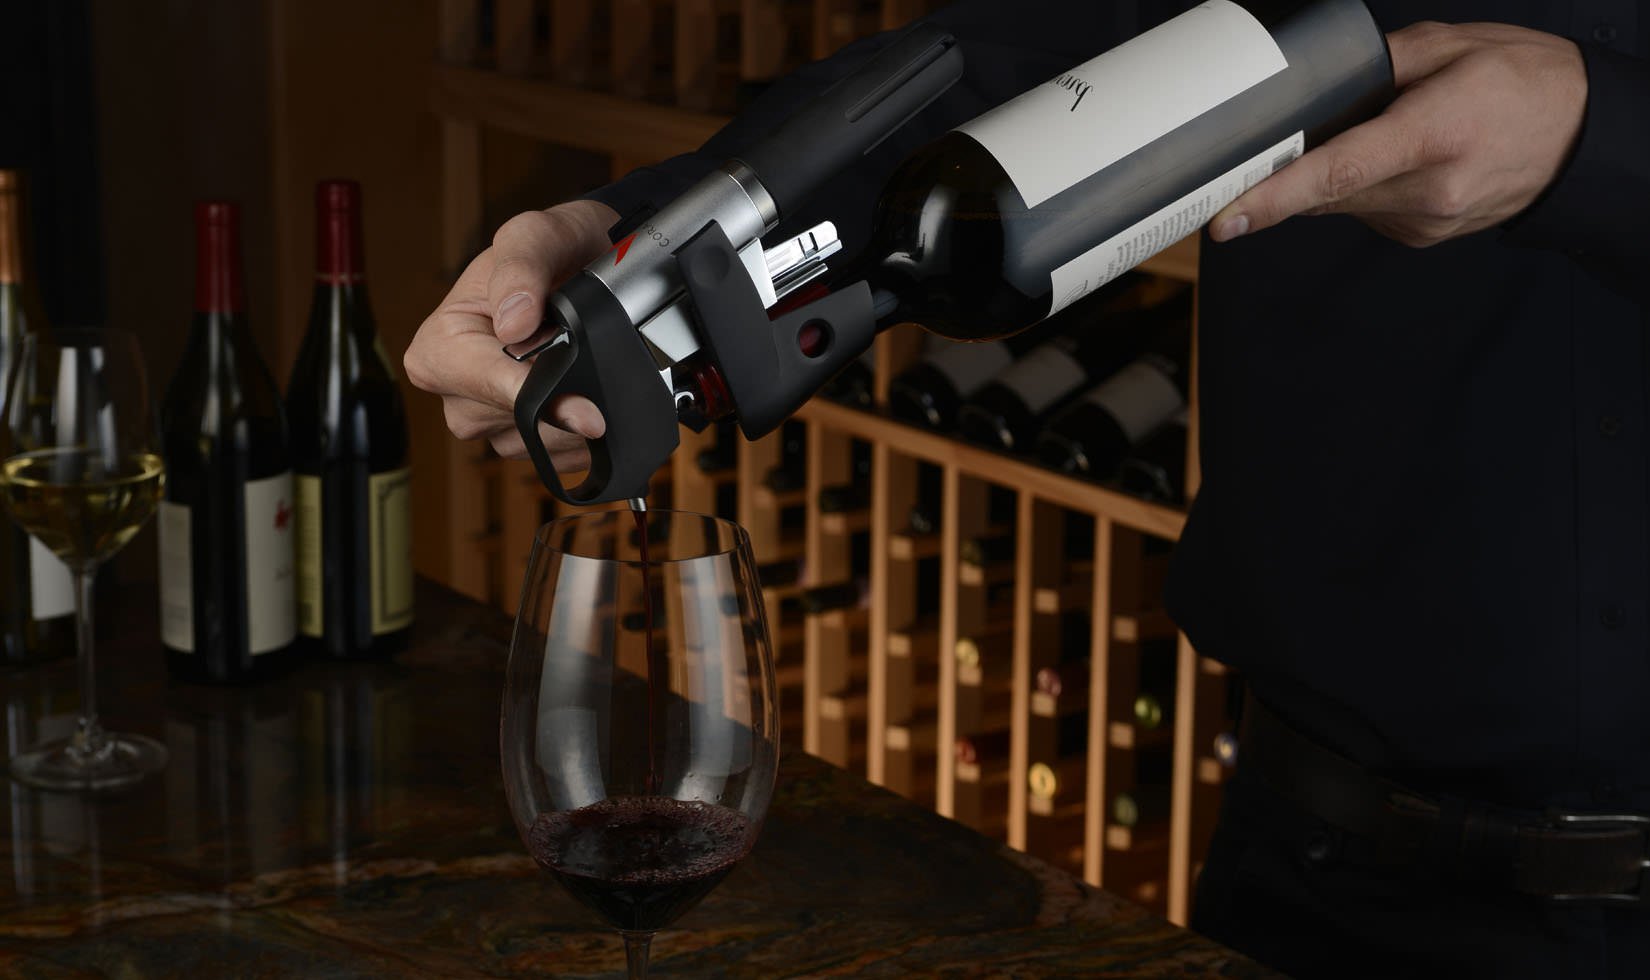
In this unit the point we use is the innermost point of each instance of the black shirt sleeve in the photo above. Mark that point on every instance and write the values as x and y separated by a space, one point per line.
1598 209
1006 50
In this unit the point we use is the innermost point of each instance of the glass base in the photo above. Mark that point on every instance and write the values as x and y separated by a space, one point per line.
65 764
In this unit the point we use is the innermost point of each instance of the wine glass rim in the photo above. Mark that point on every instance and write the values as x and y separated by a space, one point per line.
542 537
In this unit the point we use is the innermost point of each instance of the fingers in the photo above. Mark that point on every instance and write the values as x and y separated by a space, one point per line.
1425 48
532 254
1326 179
568 453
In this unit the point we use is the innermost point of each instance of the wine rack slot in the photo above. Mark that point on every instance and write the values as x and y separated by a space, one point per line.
939 585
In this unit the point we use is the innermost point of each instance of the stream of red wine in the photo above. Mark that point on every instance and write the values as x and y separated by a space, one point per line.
658 663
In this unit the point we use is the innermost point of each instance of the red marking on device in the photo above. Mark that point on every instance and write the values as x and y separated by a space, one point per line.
622 247
812 339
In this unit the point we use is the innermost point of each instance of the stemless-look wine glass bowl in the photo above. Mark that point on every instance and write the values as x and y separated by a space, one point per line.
640 732
80 469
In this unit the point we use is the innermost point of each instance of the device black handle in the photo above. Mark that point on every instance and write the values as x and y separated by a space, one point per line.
851 117
599 355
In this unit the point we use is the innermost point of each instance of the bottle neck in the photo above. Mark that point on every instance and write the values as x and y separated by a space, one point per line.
339 257
219 290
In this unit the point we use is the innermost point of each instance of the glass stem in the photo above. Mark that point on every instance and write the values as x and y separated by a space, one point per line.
637 946
89 737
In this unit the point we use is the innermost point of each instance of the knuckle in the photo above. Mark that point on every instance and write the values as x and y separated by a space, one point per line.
528 225
461 422
1342 177
1448 199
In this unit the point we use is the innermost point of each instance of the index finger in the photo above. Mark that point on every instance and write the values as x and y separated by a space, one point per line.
1354 161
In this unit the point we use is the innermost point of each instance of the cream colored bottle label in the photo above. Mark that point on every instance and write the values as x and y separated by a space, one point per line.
51 585
271 616
390 501
307 553
177 589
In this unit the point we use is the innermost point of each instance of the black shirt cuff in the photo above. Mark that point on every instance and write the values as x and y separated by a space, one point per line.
1599 206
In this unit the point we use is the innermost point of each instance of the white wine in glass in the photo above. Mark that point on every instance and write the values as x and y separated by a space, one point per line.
81 471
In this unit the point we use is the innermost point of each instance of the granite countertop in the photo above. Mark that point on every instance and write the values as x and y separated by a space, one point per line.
349 820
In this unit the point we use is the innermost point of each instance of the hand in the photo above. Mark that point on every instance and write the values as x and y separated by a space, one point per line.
500 300
1485 118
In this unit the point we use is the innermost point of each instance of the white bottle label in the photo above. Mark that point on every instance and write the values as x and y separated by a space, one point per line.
968 366
1144 239
1140 397
271 613
1044 376
177 593
51 585
271 610
1107 108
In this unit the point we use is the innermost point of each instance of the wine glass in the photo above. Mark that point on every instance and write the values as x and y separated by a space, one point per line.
639 730
82 471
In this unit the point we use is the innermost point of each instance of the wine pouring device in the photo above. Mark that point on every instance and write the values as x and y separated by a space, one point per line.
677 324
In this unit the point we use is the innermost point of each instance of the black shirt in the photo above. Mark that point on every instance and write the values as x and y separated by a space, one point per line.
1424 526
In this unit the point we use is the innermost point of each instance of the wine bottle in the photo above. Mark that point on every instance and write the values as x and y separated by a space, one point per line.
36 589
1007 413
1071 735
722 455
1091 436
843 498
791 473
778 574
986 550
930 392
349 451
854 385
821 599
1141 806
1156 469
1154 699
1226 749
1024 210
924 518
226 575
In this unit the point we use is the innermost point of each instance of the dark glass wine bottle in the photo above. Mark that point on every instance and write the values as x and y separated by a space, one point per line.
1008 413
1156 469
1033 205
226 576
349 452
854 385
791 472
1092 436
36 589
929 392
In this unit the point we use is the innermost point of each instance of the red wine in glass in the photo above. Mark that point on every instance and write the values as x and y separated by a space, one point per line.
640 861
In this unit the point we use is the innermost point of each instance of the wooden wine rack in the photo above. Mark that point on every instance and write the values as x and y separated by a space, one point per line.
879 689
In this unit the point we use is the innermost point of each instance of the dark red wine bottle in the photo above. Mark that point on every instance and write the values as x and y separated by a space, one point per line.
36 588
1092 436
349 447
226 543
929 392
827 598
1007 413
1020 212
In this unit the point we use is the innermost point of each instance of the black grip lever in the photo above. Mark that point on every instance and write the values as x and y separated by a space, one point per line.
850 118
599 355
770 366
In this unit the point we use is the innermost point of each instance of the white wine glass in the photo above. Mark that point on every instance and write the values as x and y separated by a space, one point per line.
80 469
639 732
